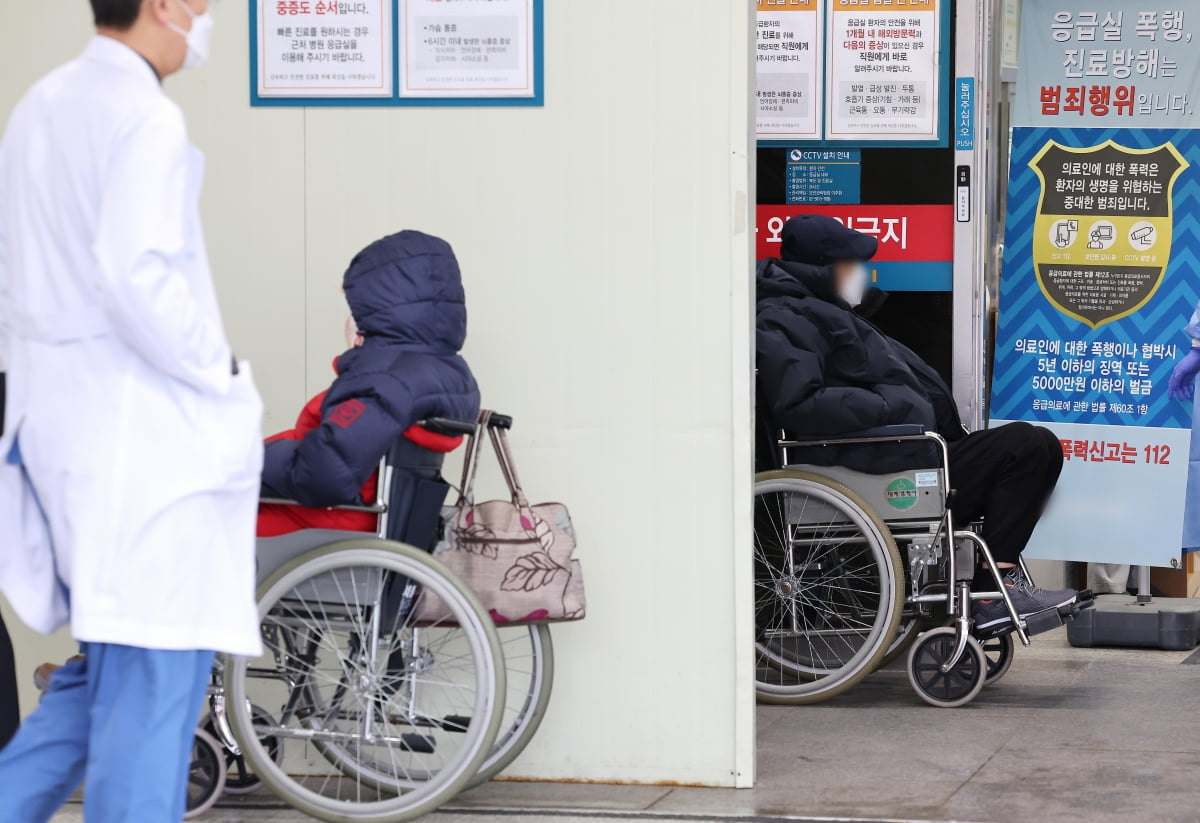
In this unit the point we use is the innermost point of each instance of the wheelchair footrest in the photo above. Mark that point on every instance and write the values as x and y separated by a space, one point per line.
1049 620
1045 621
456 723
418 744
994 631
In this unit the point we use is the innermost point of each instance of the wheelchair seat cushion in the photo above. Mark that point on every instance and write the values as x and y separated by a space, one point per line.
275 552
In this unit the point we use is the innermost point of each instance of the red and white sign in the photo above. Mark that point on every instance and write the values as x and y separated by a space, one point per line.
905 233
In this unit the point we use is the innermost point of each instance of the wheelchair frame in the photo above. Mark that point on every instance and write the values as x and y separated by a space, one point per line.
927 552
501 746
958 596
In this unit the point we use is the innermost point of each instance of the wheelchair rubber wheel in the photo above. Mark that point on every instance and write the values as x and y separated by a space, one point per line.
206 775
956 687
829 591
383 714
239 778
911 627
999 652
529 670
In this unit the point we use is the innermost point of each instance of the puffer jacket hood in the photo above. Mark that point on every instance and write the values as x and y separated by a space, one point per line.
778 278
407 288
406 294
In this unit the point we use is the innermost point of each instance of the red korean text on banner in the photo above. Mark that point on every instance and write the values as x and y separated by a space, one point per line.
905 233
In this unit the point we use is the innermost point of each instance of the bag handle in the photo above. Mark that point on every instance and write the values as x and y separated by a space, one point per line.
466 489
508 466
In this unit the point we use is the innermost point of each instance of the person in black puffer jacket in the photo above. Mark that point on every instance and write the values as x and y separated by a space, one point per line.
406 294
824 369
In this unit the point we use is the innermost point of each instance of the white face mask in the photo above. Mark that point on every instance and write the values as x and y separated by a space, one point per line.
197 39
854 286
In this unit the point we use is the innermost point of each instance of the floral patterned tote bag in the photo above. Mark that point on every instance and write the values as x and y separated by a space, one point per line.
517 557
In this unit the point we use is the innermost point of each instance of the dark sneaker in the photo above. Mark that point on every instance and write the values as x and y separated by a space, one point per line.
1048 598
989 613
1027 599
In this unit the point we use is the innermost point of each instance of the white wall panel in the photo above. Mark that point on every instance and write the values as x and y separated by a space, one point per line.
607 249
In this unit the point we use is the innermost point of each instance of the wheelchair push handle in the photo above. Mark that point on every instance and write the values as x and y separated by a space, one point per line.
448 427
454 428
500 421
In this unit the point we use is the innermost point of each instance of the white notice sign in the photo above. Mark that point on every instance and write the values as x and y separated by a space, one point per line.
316 48
788 46
467 48
883 70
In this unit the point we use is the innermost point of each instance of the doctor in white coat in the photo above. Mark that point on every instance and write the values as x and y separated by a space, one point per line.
130 460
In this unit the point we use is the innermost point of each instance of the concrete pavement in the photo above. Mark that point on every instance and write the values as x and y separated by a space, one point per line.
1070 734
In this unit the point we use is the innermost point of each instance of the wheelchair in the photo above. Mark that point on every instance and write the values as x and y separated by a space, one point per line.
359 708
854 570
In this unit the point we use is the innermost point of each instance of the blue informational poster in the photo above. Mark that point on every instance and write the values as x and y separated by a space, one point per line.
817 176
1102 273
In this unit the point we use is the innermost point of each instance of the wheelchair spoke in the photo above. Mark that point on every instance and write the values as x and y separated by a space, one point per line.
355 691
824 604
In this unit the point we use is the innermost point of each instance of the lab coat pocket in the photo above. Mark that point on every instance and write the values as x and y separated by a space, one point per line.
28 576
238 449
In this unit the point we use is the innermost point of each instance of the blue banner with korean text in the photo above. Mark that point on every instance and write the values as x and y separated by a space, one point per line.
1092 320
1107 64
1102 272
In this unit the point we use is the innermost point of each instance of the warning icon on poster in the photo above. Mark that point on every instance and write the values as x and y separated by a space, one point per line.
1142 235
1063 232
1117 202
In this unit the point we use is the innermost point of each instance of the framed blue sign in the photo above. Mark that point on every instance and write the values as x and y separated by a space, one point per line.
396 52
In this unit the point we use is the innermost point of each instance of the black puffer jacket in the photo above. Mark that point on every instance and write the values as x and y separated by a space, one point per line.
823 369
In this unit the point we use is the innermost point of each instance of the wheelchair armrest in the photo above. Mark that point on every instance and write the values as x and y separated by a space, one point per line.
881 434
885 432
353 507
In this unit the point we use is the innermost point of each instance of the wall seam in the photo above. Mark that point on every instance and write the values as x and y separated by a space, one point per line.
308 390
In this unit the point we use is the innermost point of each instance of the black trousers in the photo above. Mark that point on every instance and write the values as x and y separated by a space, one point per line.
10 715
1005 475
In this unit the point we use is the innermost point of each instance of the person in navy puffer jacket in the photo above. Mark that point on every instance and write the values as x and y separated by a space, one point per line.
406 295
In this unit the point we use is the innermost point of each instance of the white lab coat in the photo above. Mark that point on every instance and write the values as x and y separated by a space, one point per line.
142 448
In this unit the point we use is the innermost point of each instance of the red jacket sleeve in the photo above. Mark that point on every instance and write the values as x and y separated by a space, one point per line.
310 416
309 419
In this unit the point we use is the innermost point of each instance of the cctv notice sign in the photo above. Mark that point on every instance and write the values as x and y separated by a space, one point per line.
1101 272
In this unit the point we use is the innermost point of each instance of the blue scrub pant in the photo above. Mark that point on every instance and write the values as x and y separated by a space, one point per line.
120 722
